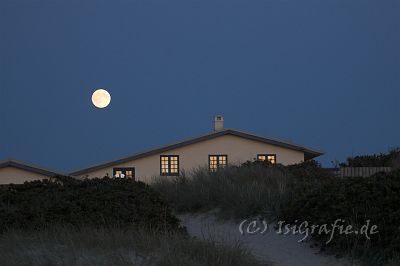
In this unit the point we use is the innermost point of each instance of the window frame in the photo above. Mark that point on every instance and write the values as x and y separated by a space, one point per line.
266 155
169 165
124 170
218 165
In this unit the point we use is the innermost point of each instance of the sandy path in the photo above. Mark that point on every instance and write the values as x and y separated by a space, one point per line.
283 250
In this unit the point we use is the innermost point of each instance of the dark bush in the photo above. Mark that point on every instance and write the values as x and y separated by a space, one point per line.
354 200
92 202
308 169
390 159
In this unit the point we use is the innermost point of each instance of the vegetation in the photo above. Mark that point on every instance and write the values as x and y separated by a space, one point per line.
115 246
253 189
93 202
298 193
390 159
64 221
354 200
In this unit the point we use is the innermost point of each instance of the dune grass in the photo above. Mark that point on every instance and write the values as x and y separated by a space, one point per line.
234 192
89 246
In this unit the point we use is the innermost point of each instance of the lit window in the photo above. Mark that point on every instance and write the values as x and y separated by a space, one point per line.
267 157
169 165
127 172
216 162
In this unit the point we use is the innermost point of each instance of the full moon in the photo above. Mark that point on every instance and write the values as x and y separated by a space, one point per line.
101 98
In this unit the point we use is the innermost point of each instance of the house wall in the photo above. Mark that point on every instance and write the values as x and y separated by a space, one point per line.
192 156
17 176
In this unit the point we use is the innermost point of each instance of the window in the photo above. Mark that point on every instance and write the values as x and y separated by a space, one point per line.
267 157
126 172
169 165
216 162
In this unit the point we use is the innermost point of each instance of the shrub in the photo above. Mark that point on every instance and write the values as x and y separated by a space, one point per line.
354 200
95 202
310 169
390 159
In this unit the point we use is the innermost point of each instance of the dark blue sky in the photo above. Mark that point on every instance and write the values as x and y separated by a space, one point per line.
322 73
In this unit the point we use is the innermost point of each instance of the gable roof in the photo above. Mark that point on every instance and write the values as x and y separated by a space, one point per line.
29 168
308 153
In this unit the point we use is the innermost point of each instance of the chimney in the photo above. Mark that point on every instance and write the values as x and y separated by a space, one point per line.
218 123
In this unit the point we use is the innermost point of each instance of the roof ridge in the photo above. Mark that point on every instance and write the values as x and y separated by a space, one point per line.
29 167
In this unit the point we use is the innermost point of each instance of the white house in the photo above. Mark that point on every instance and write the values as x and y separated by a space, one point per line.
214 150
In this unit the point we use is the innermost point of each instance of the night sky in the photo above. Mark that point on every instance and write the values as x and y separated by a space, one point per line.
321 73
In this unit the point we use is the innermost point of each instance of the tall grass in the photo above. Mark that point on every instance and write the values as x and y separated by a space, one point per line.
235 191
89 246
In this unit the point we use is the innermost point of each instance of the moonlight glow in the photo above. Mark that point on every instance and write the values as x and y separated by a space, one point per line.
101 98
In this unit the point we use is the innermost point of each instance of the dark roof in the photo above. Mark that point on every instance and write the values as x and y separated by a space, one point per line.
308 153
28 167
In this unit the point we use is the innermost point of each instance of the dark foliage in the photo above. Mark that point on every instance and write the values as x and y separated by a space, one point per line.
310 169
92 202
390 159
355 200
